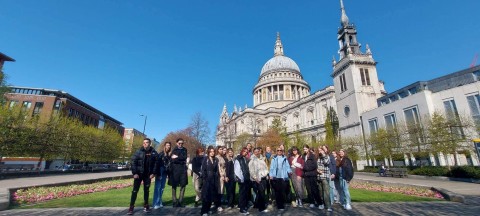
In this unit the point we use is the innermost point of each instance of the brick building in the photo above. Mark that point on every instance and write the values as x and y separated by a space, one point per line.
46 102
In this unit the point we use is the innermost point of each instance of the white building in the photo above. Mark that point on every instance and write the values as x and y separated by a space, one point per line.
358 96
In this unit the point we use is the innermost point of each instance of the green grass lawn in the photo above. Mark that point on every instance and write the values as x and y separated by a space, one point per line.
121 198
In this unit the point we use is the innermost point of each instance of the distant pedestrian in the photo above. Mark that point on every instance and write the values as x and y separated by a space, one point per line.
179 175
162 170
143 170
196 169
344 175
211 180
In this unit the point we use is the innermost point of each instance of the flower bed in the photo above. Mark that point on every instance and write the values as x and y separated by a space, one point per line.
41 194
411 191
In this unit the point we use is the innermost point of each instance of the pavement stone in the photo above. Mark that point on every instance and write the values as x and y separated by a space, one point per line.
470 191
377 208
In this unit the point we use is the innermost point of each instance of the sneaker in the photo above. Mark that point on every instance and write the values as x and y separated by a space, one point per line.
244 212
312 205
265 211
130 210
348 207
146 208
156 207
330 209
321 207
205 214
294 204
219 209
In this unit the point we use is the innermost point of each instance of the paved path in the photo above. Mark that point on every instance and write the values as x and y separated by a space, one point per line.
462 188
58 179
470 190
397 208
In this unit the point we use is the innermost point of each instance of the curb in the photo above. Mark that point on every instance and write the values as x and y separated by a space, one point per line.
450 196
435 178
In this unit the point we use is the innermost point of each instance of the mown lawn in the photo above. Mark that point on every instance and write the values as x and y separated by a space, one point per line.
121 198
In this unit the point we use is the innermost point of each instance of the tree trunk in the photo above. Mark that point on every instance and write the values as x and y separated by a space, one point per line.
39 164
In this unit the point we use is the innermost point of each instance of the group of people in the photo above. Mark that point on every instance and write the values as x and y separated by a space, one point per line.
319 177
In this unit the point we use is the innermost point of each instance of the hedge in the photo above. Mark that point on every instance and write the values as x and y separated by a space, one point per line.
455 171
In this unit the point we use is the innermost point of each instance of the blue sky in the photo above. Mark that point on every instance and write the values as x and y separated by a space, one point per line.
171 59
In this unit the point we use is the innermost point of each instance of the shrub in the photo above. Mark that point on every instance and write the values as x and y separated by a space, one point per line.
370 169
465 172
430 171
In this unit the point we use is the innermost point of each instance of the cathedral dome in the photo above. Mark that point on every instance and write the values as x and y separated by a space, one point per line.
280 63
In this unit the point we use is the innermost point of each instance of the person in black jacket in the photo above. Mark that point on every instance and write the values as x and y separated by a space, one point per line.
211 180
197 180
143 169
178 176
230 181
310 177
344 175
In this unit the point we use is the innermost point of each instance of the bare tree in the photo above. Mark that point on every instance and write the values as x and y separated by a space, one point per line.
199 128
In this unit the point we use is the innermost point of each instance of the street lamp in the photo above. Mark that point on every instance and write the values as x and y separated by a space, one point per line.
144 124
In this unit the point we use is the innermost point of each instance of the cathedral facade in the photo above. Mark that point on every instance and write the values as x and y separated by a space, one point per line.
358 97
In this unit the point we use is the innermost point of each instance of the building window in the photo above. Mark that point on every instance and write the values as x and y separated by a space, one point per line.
26 105
453 118
412 91
390 121
372 123
343 84
346 111
403 94
365 76
411 116
37 109
474 104
12 104
393 98
476 74
57 106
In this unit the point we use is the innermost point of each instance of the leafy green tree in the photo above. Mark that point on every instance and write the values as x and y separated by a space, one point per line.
331 128
281 130
3 87
241 141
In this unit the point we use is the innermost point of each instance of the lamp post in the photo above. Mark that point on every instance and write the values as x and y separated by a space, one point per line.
144 124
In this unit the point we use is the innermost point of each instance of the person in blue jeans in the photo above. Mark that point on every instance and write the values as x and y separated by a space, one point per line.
163 164
345 175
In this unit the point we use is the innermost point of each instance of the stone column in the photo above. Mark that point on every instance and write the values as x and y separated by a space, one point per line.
441 159
405 158
412 158
474 157
432 159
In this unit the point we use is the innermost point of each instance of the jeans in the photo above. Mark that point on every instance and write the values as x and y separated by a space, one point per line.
136 186
159 187
344 192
